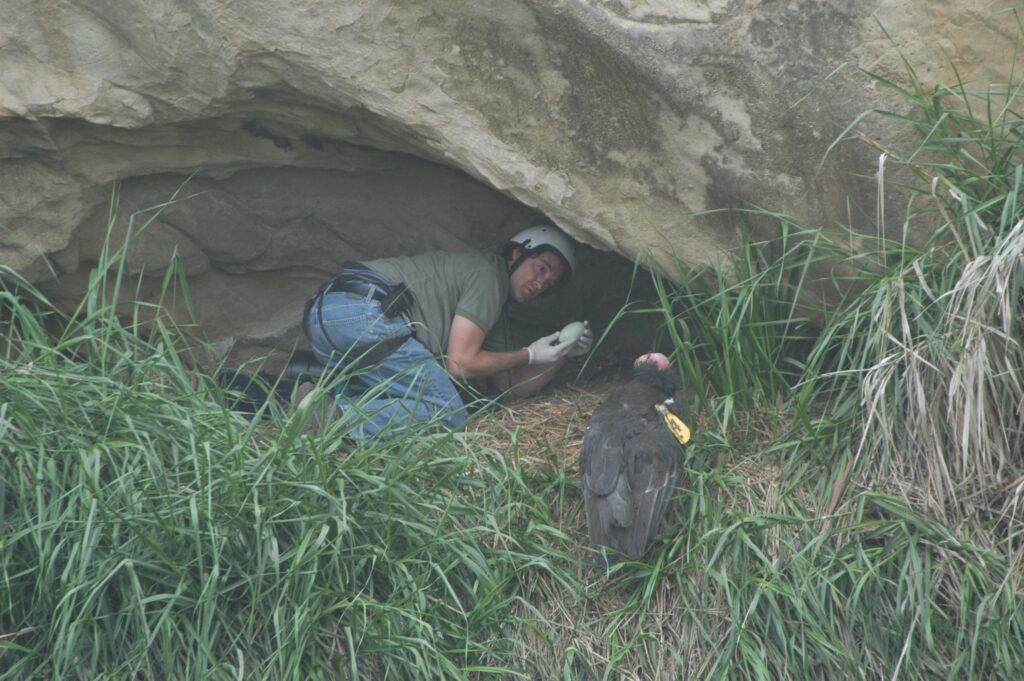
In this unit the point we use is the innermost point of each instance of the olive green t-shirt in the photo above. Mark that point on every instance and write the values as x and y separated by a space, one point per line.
473 285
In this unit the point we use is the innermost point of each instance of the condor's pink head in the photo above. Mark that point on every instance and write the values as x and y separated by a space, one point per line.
659 360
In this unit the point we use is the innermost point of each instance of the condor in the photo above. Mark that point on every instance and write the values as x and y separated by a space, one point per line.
631 460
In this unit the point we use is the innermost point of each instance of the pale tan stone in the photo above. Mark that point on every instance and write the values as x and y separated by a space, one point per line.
317 130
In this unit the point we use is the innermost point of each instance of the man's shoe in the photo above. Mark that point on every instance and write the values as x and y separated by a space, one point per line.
322 411
247 393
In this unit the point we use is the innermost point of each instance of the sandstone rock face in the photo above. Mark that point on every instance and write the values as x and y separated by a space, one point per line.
284 137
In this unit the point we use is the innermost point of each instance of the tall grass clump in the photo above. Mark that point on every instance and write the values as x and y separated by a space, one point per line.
932 344
146 531
741 330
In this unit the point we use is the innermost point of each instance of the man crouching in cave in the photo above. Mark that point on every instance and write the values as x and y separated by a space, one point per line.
391 322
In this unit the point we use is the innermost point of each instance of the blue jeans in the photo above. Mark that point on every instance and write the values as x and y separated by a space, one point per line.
408 388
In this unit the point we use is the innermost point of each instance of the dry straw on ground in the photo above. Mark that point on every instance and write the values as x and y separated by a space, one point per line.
546 429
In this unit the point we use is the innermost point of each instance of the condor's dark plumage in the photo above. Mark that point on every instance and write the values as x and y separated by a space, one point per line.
630 463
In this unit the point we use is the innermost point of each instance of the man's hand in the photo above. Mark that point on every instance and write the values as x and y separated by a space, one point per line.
583 344
547 349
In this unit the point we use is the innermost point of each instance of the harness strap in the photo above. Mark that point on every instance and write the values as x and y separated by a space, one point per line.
357 278
368 354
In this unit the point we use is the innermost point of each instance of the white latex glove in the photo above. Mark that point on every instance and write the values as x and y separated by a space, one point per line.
547 349
583 344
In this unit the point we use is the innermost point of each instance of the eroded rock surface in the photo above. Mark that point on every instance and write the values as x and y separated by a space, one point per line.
312 131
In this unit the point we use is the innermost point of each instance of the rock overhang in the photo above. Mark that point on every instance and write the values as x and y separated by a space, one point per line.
634 126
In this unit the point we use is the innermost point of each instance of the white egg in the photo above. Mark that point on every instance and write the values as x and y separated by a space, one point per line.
571 333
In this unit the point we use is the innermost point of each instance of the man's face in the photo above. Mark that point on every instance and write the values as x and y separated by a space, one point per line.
534 275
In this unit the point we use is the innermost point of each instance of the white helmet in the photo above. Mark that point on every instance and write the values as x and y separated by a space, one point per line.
542 238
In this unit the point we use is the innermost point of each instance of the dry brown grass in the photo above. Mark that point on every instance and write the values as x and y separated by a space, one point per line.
548 427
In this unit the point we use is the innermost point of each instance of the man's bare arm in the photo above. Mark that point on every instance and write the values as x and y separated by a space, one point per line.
468 360
525 381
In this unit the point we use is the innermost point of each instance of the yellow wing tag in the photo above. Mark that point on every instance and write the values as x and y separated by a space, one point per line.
674 423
